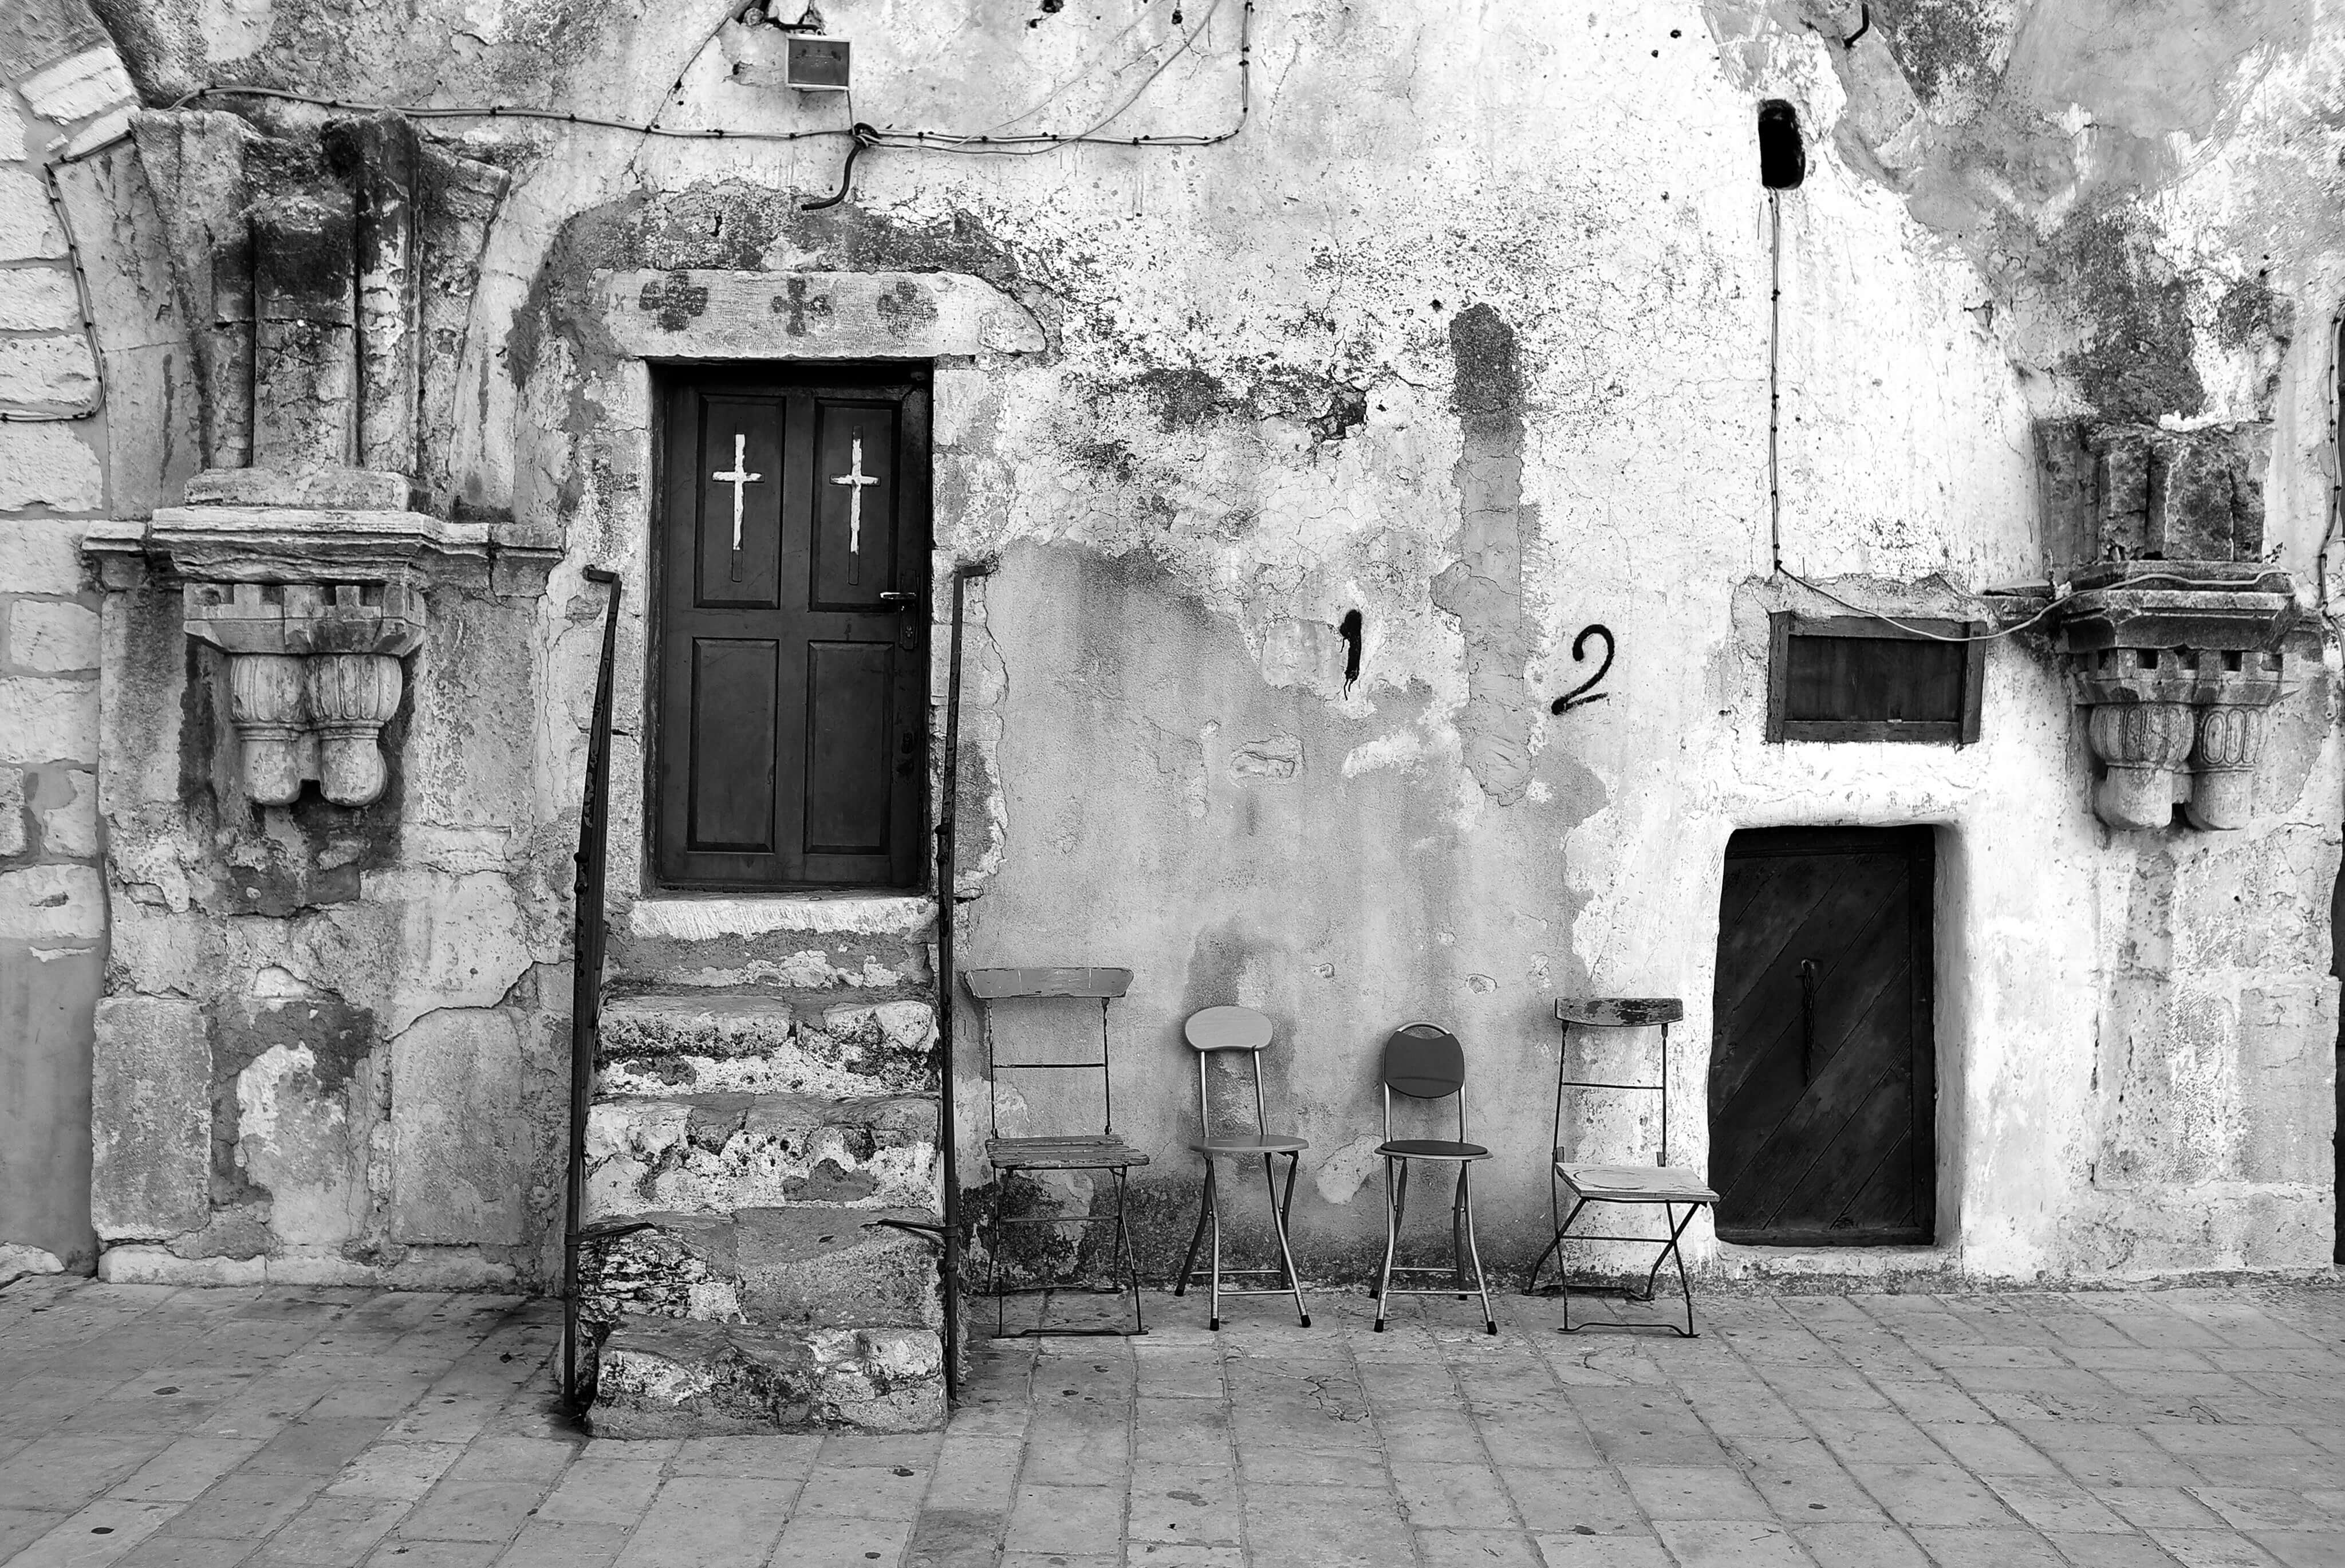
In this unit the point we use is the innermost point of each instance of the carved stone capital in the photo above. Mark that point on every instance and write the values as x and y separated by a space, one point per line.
351 697
267 706
2178 663
2143 745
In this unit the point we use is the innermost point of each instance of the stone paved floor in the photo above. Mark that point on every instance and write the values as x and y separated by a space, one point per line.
2102 1429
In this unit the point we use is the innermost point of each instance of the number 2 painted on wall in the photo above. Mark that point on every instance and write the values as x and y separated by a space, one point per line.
1585 691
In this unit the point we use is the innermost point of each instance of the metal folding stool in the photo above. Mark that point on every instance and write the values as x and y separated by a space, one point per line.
1212 1031
1100 1151
1660 1182
1424 1061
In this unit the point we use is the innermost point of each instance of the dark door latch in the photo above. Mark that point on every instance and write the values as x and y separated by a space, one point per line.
1807 1019
900 602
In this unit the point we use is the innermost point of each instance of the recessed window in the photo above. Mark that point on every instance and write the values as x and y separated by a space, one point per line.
1856 678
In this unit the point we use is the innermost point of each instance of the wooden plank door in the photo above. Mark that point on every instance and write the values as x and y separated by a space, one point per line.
1822 1080
791 688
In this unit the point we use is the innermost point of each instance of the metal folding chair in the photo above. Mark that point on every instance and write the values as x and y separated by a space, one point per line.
1212 1031
1424 1061
1660 1182
1100 1151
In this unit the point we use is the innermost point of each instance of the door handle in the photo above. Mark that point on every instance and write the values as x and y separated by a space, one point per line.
899 603
1807 1019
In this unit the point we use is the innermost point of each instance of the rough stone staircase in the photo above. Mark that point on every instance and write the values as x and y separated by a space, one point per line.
749 1140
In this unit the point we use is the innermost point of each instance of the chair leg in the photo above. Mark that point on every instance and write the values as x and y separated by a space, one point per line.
1474 1249
1130 1254
993 1259
1278 1223
1457 1233
1562 1278
1669 1224
1196 1236
1393 1193
1213 1280
1678 1254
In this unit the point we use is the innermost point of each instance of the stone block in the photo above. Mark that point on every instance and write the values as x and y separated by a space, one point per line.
2288 1073
49 466
151 1118
803 1267
91 83
51 638
64 804
139 1265
55 373
712 1154
2191 500
12 836
458 1136
51 904
18 1261
40 555
28 224
662 1380
151 950
305 1121
758 1042
38 299
43 720
12 133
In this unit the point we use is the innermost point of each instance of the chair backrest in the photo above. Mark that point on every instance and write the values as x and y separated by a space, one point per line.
1226 1029
1217 1029
1424 1061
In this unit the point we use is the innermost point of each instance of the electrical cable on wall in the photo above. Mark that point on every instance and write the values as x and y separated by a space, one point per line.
1782 163
965 143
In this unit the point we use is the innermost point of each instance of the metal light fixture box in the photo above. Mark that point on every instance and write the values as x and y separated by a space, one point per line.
818 65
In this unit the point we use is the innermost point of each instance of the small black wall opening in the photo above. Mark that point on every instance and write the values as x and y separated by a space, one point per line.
1782 160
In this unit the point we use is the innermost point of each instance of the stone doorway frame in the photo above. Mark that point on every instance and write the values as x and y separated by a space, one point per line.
963 327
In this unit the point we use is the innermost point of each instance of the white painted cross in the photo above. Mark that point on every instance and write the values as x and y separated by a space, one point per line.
857 482
740 479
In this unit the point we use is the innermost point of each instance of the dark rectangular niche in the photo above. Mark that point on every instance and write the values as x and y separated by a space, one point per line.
1854 678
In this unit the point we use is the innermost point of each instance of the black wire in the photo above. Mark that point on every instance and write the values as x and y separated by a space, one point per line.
863 135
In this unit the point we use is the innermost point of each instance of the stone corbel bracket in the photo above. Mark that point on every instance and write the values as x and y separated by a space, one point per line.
2179 663
314 609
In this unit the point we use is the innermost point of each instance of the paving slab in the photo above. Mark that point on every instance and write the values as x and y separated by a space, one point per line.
348 1428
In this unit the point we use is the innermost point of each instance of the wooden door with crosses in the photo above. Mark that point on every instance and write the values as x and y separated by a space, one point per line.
790 681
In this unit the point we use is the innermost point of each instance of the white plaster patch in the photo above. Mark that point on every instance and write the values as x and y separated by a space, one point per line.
1340 1174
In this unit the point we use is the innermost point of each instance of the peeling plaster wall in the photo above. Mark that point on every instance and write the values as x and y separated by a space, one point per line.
1467 331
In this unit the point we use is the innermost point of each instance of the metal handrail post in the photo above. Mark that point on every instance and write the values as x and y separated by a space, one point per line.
587 975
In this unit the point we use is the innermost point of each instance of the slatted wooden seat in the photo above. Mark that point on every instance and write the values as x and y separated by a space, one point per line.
1067 1151
1070 1154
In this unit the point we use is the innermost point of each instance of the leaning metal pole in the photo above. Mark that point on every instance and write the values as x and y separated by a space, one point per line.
947 919
586 977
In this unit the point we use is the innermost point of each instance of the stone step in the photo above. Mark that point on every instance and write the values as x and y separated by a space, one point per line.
694 1041
658 1378
715 1154
776 1268
874 944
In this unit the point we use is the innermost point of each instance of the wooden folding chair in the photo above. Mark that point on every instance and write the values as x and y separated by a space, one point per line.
1660 1182
1100 1151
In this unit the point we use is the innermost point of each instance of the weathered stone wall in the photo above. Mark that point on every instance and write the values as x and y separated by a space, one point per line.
1468 333
63 84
